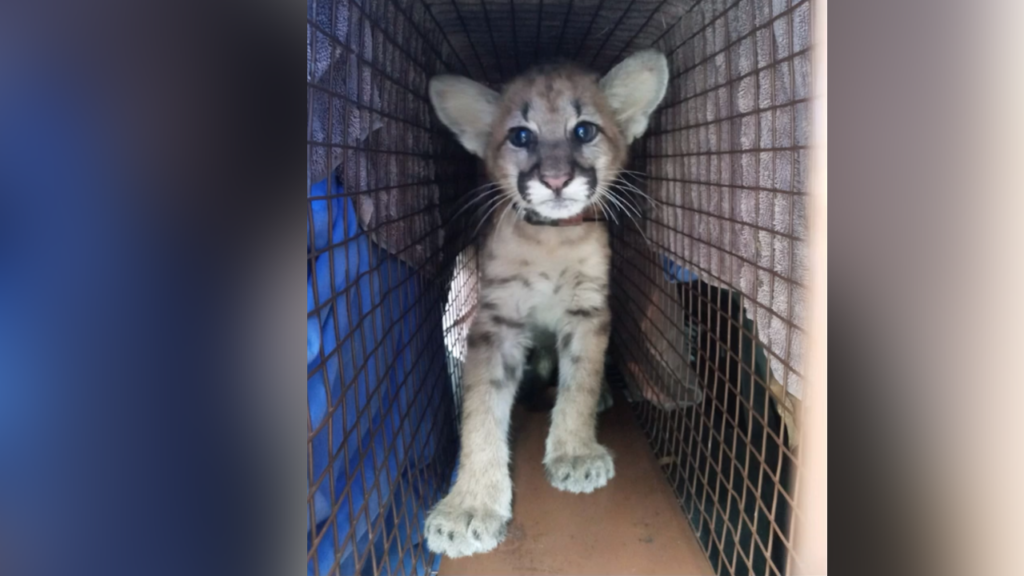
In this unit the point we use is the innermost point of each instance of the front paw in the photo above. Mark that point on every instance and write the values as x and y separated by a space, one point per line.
580 473
458 528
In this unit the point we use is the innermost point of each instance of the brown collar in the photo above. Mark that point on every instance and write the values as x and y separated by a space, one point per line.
589 214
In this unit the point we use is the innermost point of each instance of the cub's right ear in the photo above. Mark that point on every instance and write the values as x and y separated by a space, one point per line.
467 108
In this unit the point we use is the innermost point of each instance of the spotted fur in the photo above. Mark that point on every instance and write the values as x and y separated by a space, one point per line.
538 283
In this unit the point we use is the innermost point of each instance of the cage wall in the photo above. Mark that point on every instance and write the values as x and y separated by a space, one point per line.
380 180
720 261
706 292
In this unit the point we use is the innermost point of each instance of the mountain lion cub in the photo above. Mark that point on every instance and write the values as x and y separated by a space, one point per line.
554 142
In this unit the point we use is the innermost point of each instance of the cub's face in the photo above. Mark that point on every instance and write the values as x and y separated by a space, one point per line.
555 142
555 139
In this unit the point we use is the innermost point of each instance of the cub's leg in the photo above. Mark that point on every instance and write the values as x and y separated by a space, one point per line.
472 518
573 460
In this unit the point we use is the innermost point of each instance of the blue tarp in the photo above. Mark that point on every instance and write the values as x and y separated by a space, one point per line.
373 388
676 273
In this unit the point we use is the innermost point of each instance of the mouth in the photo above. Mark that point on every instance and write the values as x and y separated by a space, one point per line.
571 199
560 202
560 207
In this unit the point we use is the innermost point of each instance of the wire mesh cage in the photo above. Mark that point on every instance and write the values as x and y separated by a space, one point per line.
707 296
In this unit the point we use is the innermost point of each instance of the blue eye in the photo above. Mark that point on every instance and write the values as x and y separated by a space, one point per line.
520 137
585 132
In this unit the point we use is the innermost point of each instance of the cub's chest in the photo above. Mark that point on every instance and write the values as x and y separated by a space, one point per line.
543 270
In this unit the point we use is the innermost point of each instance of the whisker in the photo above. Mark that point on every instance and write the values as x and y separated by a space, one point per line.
623 202
609 194
487 185
633 172
486 216
632 187
627 184
477 192
468 202
597 202
482 196
508 209
630 215
628 179
494 203
504 212
608 213
483 208
624 205
634 190
621 208
628 202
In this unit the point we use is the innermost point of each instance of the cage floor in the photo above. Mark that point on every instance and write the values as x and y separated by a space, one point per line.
631 526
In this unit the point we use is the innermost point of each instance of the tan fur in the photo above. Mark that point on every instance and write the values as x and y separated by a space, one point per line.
551 93
535 281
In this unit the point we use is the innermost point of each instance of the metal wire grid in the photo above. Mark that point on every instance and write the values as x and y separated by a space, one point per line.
724 160
500 38
387 166
719 455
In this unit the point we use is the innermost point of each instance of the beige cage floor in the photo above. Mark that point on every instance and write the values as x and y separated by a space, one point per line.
631 526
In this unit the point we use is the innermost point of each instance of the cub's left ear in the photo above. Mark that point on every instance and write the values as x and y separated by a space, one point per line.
634 88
